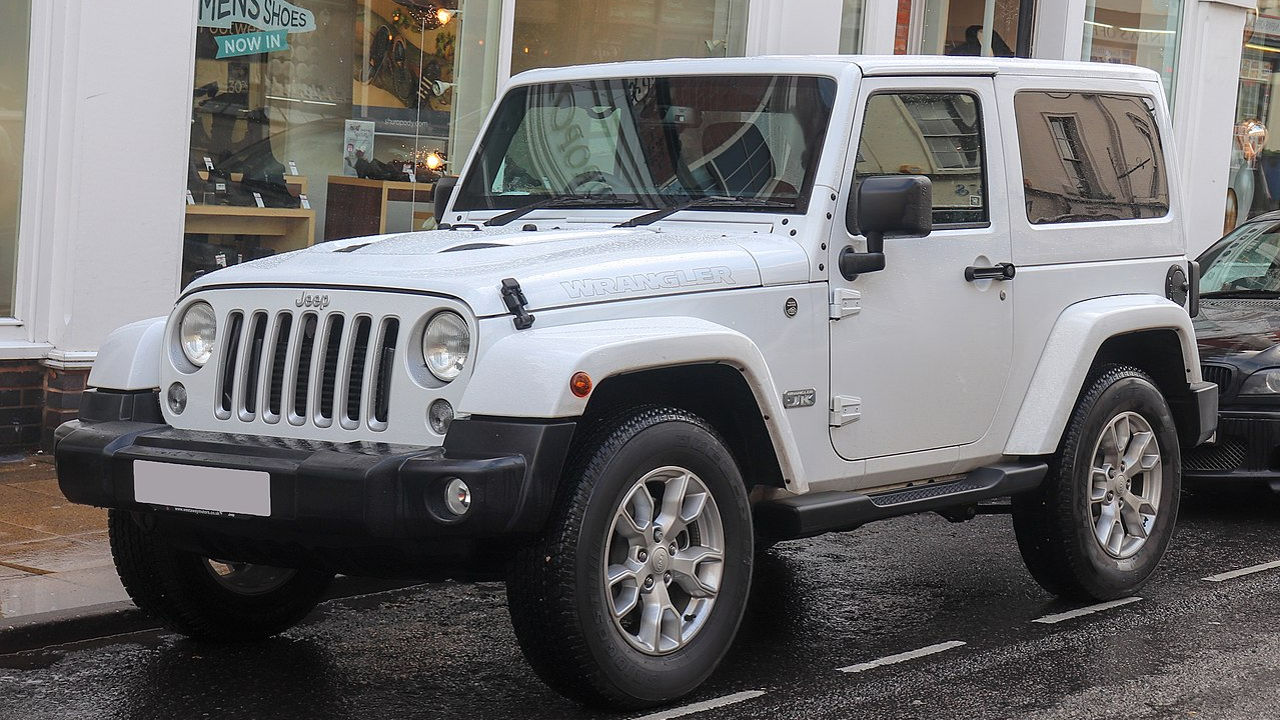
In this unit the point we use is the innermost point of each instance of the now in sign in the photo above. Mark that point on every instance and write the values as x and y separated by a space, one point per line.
252 43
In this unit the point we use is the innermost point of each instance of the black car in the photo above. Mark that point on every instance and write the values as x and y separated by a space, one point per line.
1238 330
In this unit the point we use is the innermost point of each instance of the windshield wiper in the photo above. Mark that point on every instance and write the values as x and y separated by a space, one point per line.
1242 293
705 200
554 202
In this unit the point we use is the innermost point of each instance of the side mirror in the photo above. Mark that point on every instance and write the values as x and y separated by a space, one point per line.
441 193
899 205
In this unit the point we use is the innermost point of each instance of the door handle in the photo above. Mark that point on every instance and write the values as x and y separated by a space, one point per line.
1001 271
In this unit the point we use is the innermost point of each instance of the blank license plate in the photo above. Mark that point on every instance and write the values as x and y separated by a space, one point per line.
194 487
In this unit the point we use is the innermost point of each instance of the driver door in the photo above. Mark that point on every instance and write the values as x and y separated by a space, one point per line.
921 355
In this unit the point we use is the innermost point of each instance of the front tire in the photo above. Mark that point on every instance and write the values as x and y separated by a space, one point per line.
1102 519
635 592
206 599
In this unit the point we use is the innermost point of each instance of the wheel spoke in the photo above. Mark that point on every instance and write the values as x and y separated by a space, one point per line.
1133 521
1106 525
634 520
685 566
1136 451
673 498
1098 485
1111 445
651 621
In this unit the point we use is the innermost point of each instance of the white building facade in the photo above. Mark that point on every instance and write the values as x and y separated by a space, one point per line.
145 142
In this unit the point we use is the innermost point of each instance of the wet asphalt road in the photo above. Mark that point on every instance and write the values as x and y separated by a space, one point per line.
1188 648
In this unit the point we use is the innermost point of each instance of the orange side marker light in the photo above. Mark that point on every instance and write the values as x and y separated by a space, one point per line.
580 384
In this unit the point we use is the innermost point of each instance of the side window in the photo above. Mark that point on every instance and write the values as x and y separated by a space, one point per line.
938 135
1090 156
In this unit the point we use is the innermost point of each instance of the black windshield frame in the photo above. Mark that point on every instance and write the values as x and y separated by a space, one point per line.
656 112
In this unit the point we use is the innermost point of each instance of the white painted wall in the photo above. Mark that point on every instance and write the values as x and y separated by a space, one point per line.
794 27
1204 111
105 167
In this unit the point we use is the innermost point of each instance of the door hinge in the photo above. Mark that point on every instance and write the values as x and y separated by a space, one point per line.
844 410
845 302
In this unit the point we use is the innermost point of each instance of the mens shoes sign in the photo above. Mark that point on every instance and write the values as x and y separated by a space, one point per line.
275 18
262 14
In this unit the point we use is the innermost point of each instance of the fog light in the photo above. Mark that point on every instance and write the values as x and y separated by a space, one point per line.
177 397
440 416
457 497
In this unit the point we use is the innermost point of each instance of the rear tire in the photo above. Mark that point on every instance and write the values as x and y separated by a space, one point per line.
603 611
205 599
1102 519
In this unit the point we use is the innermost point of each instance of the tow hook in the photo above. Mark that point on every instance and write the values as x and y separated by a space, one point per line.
514 297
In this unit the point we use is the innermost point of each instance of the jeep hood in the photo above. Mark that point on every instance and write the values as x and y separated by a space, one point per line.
555 268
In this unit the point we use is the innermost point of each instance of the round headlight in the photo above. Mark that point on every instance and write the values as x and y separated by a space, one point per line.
196 333
445 345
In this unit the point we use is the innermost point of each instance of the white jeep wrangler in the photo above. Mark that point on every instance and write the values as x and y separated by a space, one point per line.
675 311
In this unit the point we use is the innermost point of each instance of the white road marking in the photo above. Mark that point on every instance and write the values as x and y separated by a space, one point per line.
1051 619
704 705
1244 571
903 657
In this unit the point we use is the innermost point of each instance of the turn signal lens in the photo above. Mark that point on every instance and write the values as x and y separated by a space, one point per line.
580 384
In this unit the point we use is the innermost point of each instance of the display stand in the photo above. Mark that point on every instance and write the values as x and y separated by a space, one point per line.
356 207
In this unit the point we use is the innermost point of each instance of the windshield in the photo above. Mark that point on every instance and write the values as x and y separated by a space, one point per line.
653 142
1245 262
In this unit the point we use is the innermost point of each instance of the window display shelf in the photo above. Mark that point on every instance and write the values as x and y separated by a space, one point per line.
358 206
280 229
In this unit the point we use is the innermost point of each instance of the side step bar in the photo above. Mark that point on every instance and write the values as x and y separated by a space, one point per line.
817 513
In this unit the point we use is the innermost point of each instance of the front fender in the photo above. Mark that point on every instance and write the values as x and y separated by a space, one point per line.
1068 354
526 374
129 359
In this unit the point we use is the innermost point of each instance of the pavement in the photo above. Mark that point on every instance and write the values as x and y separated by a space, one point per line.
54 555
910 618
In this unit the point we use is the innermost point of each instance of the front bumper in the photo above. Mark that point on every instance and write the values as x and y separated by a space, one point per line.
326 498
1247 447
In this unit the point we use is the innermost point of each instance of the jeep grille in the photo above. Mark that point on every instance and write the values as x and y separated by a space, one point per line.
306 368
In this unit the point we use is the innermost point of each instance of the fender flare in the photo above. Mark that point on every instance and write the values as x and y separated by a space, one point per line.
1069 352
603 349
129 359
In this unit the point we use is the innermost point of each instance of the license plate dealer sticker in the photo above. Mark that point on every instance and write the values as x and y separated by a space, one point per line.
199 488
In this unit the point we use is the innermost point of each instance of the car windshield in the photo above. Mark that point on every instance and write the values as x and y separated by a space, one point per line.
1246 262
653 142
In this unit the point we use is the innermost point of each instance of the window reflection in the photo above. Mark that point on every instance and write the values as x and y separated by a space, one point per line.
1090 157
934 134
14 38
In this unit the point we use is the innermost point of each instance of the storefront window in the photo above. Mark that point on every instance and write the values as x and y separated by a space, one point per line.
327 119
550 33
851 26
1135 32
15 34
959 27
1253 187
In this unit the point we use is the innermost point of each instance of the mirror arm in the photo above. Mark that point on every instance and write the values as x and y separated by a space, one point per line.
854 263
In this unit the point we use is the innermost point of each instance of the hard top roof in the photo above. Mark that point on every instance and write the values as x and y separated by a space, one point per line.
870 65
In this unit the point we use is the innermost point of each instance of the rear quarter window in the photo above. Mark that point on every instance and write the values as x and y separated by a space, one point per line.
1090 156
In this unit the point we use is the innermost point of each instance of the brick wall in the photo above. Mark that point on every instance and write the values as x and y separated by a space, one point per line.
34 400
62 389
21 404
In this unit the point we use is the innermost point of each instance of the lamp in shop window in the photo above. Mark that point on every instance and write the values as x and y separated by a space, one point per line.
444 15
434 161
1251 136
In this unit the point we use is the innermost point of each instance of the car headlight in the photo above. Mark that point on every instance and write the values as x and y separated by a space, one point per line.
196 332
1263 382
445 345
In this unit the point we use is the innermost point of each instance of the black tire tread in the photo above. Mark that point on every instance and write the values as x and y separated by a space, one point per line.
164 582
1042 519
539 591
